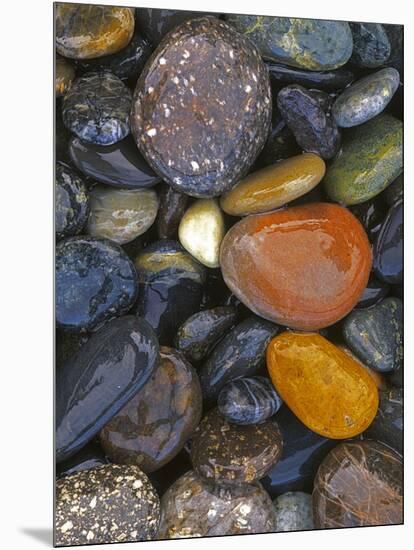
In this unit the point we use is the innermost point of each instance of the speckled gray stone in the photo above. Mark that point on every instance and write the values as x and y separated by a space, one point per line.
294 512
372 47
109 503
72 202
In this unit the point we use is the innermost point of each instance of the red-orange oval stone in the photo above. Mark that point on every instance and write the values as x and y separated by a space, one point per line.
304 267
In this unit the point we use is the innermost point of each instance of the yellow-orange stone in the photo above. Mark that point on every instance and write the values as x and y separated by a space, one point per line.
325 388
274 185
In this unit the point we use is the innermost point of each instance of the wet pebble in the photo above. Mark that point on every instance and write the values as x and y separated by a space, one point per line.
172 207
388 249
371 214
372 47
294 512
280 144
90 456
72 202
64 76
329 81
388 424
374 292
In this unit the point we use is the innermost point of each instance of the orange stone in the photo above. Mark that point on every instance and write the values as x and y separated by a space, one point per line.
304 267
325 388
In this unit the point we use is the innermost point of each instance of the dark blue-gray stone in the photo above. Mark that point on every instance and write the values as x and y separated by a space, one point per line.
97 107
100 379
248 400
372 47
72 202
95 282
374 292
387 426
388 248
375 335
90 456
329 81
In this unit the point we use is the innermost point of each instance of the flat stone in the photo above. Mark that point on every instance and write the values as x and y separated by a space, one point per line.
359 484
191 507
294 512
371 159
173 204
323 386
388 248
372 47
64 76
277 285
107 504
274 186
86 31
230 454
72 202
388 424
154 425
200 120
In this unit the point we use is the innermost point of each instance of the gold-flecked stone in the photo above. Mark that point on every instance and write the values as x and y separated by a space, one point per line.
201 231
84 31
121 214
64 75
274 186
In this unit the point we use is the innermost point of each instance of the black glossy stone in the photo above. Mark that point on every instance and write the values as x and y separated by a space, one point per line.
97 382
280 144
395 35
72 202
240 353
395 191
199 333
375 334
307 113
387 426
303 451
95 281
90 456
96 108
170 287
388 249
248 400
171 209
374 292
119 165
372 47
371 214
329 81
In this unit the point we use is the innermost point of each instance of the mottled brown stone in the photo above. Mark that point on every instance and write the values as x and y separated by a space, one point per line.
358 484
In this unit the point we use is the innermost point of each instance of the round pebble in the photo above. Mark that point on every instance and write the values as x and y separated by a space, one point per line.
72 202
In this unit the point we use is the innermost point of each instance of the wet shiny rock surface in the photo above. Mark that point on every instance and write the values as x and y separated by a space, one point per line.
64 75
230 454
288 295
106 504
95 383
193 508
72 202
371 45
373 293
157 23
95 281
388 249
154 425
96 108
329 81
90 456
388 424
202 147
358 484
172 207
294 512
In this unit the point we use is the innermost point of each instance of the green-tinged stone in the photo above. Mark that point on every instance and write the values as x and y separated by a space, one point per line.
311 44
371 158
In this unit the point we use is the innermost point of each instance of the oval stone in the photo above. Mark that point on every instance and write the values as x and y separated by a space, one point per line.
201 231
64 75
388 249
325 388
85 31
95 281
121 215
72 202
266 262
240 353
172 207
372 47
359 484
228 454
191 507
329 81
280 144
274 186
154 425
248 400
388 424
365 98
294 512
107 504
96 108
371 159
311 44
94 384
201 119
371 214
373 293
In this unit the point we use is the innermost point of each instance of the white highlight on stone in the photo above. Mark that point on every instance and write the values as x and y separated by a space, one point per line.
152 132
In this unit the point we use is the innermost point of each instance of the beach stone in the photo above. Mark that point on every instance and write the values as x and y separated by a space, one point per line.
323 386
240 353
191 507
307 113
306 291
294 512
280 144
64 76
395 191
274 186
201 120
201 231
359 484
95 282
172 207
121 215
248 400
311 44
230 454
85 31
389 247
371 214
198 335
379 379
72 202
372 47
365 98
154 425
328 81
375 334
110 503
388 424
96 108
96 382
374 292
371 159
